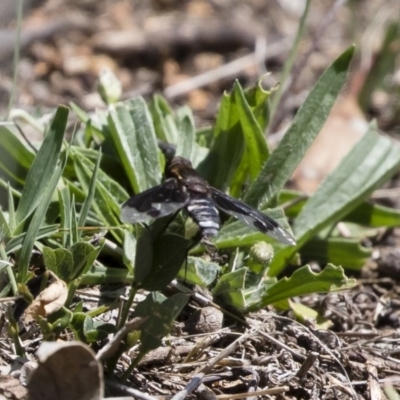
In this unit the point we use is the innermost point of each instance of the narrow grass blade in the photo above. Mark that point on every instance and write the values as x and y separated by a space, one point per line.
305 127
64 200
11 210
37 220
90 194
42 171
290 60
44 231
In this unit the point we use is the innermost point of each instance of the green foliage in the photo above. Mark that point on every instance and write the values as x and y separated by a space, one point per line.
60 196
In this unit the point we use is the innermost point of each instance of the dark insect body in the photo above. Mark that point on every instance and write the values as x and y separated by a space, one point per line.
186 189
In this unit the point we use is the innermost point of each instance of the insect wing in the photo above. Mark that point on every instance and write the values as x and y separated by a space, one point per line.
154 203
251 217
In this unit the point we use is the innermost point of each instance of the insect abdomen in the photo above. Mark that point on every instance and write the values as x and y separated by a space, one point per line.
205 214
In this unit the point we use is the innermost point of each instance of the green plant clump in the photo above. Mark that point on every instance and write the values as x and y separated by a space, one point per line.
65 201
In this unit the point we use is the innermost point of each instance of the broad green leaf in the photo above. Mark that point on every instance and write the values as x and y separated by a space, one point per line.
162 313
371 162
59 320
77 323
228 146
198 271
257 98
374 215
158 260
306 314
340 251
43 168
256 148
164 120
60 261
133 135
84 255
368 214
304 281
305 127
187 139
230 288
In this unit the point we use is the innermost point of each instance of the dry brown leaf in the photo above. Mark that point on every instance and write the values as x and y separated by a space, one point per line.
47 302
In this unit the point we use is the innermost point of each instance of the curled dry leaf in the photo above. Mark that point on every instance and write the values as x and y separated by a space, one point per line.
49 301
66 371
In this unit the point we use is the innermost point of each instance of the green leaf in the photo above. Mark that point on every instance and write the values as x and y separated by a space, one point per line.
77 325
4 227
230 288
105 205
198 271
90 194
385 64
162 314
43 168
257 99
36 222
59 320
346 252
65 207
228 146
84 255
256 148
60 261
12 224
15 158
305 127
99 274
164 120
158 259
291 58
374 215
372 161
187 135
304 281
134 138
129 248
73 224
306 314
16 242
238 234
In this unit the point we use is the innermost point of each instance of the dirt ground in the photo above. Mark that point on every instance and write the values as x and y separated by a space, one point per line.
191 51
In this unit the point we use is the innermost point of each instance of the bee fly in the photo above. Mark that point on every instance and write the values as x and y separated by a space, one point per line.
184 188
